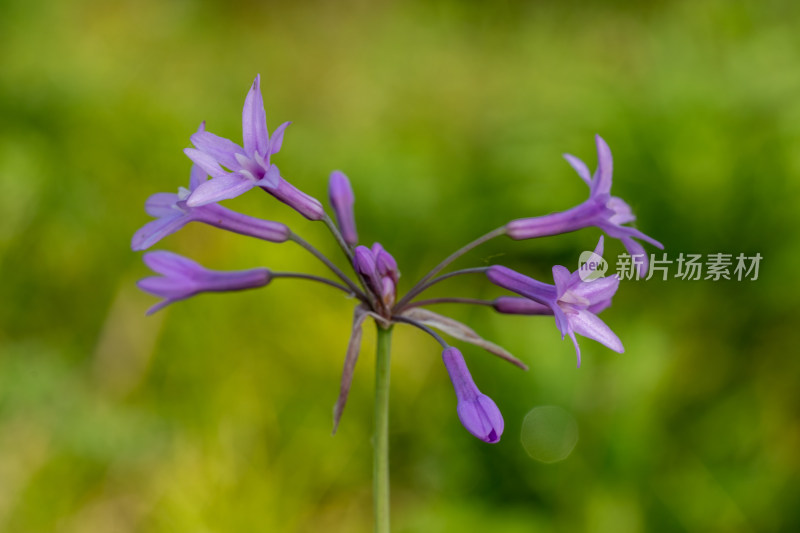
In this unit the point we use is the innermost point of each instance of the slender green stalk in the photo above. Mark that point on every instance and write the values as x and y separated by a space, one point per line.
452 257
432 301
380 480
319 255
421 287
338 236
311 277
348 251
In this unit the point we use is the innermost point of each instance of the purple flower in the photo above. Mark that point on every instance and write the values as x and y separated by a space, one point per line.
572 301
341 196
172 213
380 270
248 166
602 210
182 278
477 412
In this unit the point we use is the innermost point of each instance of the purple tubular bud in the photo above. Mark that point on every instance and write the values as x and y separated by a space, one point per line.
341 197
385 263
221 217
388 291
511 305
304 204
580 216
237 280
365 265
521 284
364 262
477 412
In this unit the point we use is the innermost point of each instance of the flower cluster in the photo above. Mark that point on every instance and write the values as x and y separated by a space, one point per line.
235 169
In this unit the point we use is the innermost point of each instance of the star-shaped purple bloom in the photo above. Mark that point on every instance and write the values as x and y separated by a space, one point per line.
182 278
609 213
248 166
172 213
573 301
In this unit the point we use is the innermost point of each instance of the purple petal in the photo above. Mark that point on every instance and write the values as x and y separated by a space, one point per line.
597 290
161 305
276 141
562 322
588 325
205 161
167 287
580 167
636 234
155 230
197 177
577 347
598 250
598 307
161 204
271 179
638 255
172 265
622 211
219 148
217 189
561 277
254 121
605 168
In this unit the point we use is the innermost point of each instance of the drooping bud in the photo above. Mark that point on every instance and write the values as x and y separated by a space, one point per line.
478 413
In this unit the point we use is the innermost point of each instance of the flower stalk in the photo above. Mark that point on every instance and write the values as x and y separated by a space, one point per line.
380 481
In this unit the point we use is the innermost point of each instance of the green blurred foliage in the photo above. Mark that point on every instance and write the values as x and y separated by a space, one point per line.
450 119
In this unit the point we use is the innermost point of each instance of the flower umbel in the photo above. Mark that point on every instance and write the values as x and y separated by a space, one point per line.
371 275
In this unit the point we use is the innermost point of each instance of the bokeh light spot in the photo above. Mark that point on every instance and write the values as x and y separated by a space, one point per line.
549 433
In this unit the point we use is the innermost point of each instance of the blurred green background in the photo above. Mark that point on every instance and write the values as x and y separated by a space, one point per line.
450 119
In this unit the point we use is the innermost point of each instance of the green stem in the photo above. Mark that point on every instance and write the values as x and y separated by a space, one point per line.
380 481
452 257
